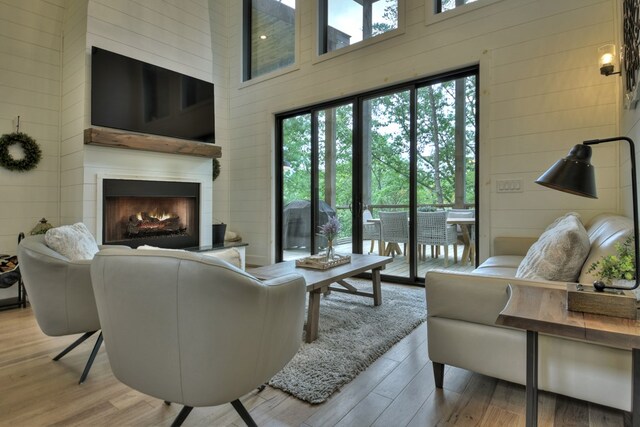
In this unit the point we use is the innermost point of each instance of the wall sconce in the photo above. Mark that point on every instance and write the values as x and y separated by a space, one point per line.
607 59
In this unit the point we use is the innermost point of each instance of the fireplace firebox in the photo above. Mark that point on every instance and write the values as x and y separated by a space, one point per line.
156 213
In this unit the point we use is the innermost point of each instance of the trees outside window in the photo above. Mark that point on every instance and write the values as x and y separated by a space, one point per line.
407 148
445 5
346 22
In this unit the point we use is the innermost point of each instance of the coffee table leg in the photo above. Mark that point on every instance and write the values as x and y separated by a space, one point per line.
377 290
313 315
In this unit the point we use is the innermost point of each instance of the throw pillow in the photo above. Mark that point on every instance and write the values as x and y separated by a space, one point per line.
559 253
72 241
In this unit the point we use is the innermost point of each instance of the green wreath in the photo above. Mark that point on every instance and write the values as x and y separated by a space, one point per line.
32 152
216 168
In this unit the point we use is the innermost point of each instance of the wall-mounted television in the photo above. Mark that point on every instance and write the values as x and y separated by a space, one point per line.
132 95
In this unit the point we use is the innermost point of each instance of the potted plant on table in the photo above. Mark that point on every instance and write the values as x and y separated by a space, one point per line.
618 269
329 231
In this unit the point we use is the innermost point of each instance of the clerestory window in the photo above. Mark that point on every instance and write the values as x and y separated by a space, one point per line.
445 5
346 22
269 36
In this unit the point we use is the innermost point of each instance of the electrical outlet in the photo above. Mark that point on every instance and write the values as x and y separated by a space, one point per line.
509 186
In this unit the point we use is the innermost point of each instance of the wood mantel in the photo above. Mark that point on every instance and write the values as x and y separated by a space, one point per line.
138 141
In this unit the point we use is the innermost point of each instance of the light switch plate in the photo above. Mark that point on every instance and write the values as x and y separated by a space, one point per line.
509 186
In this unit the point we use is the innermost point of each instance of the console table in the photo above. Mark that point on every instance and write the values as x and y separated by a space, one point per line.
538 309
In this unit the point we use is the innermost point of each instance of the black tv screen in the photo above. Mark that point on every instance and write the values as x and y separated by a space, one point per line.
135 96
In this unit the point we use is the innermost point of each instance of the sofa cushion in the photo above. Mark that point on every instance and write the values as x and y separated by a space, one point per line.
72 241
559 252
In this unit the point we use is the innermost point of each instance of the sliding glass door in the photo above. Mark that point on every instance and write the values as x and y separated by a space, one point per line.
395 166
317 163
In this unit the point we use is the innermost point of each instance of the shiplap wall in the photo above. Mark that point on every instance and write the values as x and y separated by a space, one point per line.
30 51
174 34
30 73
540 93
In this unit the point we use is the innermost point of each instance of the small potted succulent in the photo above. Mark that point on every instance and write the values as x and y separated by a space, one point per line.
618 269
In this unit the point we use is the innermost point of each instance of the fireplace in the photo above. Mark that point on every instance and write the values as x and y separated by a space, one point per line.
156 213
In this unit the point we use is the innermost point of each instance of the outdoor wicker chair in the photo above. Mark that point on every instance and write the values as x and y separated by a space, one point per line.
394 227
434 231
370 230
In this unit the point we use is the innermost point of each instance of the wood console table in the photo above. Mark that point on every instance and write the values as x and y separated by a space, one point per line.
538 309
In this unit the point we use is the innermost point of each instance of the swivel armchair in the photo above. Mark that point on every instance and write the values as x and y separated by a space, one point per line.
192 329
60 294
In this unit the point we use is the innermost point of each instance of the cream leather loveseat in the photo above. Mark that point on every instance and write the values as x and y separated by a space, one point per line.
462 309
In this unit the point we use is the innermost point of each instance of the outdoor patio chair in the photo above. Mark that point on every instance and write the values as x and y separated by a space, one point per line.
394 227
370 230
433 230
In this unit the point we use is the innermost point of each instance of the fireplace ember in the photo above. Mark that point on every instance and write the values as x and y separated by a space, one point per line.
145 224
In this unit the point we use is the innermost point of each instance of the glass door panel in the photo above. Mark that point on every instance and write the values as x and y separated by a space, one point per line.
297 218
446 146
385 178
335 173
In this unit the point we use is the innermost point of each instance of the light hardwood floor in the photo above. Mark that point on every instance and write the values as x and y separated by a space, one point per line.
396 390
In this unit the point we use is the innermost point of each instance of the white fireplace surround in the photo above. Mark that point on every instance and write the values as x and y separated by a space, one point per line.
206 216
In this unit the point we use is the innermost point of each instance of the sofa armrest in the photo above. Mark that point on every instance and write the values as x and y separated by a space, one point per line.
471 297
512 245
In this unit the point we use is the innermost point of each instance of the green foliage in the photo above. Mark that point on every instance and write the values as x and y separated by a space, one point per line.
32 152
619 266
386 123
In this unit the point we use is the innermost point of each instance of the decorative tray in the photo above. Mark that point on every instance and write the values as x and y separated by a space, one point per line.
319 262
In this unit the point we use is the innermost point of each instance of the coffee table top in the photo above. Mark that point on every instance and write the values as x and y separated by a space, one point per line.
319 278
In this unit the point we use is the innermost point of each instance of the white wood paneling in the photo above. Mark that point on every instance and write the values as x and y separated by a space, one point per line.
30 73
540 88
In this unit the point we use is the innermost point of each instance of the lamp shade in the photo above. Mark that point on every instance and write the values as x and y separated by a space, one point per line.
574 174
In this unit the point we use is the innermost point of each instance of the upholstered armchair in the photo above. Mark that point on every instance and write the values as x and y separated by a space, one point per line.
192 329
60 294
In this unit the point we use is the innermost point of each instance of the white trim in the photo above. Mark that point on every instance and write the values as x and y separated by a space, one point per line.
431 17
320 57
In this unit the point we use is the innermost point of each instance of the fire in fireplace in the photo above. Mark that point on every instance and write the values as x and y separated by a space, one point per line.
157 213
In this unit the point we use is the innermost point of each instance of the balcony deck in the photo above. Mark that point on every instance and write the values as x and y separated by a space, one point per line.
400 265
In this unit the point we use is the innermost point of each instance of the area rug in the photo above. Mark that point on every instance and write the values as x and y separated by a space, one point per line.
352 334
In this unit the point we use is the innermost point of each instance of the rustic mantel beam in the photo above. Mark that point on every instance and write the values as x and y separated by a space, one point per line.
161 144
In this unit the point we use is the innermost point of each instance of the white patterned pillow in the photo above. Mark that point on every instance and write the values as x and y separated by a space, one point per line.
559 253
73 241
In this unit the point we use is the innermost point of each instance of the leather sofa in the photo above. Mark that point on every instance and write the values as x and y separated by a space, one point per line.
462 309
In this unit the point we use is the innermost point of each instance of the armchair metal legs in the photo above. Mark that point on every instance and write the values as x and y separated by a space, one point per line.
244 414
237 405
94 352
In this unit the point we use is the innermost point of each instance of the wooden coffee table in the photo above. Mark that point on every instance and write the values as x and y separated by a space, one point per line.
319 282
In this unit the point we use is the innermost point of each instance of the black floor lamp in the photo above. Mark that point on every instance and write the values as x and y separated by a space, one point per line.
574 174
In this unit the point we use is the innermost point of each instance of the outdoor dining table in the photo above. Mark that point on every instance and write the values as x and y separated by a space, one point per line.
469 252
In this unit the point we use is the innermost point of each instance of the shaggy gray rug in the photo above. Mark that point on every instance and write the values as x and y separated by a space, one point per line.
352 334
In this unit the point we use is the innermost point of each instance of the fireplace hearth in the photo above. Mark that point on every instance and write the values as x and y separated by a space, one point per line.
156 213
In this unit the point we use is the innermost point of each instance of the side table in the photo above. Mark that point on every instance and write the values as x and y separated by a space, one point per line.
21 299
537 309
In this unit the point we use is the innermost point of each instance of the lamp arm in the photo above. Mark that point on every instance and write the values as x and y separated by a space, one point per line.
634 190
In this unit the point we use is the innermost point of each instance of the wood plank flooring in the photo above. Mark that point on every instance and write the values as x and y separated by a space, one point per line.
396 390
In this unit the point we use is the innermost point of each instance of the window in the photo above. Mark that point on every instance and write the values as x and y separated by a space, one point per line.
410 148
346 22
445 5
269 36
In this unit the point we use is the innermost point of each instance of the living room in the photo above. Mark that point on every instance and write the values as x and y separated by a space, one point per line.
540 93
